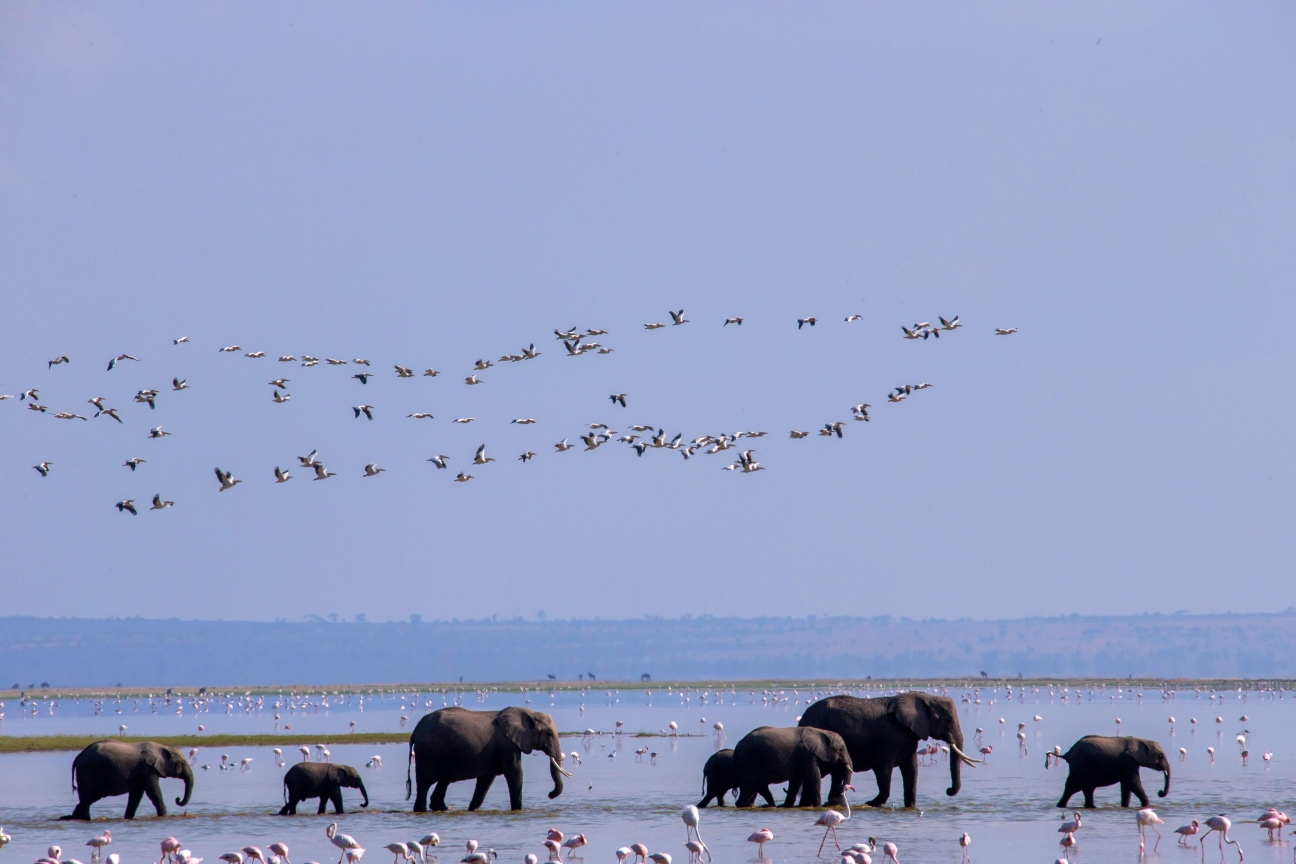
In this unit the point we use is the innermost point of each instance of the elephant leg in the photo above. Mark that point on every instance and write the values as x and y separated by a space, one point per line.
746 797
82 810
1068 790
1136 786
287 809
909 779
133 802
883 775
336 798
812 786
513 777
438 795
483 786
1088 795
421 793
324 800
765 793
153 789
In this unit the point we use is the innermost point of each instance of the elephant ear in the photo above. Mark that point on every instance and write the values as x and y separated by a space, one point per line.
1136 749
911 711
518 726
151 756
817 742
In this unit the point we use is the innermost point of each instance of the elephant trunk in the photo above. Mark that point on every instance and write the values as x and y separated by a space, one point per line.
1166 789
364 792
187 774
957 758
556 772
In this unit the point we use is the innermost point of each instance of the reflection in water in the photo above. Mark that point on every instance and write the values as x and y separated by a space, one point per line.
615 799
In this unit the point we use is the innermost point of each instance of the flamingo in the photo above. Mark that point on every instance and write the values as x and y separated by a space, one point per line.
1068 841
555 851
965 841
554 834
691 818
1186 831
1272 824
103 840
1147 818
345 842
830 820
170 846
622 854
660 858
479 857
232 858
280 849
1221 824
400 850
890 851
529 858
696 848
573 843
353 855
471 846
253 854
640 852
760 838
1072 826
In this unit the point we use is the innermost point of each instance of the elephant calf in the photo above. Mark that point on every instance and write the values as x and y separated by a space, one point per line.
322 780
718 777
1101 760
107 768
798 756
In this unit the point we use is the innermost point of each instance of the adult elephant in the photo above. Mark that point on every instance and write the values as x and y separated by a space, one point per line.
457 744
883 732
718 777
322 780
107 768
796 756
1104 760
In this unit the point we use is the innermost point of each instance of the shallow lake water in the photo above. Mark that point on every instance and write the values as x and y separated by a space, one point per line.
617 798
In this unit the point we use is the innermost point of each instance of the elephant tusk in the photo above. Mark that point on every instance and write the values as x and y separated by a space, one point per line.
964 758
564 771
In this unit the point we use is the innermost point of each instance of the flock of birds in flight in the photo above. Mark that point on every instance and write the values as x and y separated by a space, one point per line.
641 438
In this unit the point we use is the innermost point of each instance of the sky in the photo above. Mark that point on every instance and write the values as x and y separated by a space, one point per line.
429 184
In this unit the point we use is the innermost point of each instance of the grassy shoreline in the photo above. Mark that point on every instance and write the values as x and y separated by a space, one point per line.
653 686
53 743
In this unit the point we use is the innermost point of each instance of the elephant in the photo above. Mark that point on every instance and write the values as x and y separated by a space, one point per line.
883 732
797 756
1103 760
457 744
718 777
322 780
107 768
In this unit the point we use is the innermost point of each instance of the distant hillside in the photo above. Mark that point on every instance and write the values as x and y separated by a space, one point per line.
75 652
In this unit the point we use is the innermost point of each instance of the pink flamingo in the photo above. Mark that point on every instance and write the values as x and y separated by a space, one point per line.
1147 818
1186 831
1222 825
830 820
760 838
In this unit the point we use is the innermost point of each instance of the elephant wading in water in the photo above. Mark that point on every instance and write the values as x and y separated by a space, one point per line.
322 780
1101 760
108 768
796 756
718 777
457 744
883 733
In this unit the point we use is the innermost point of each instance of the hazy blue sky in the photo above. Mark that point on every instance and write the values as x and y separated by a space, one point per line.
427 184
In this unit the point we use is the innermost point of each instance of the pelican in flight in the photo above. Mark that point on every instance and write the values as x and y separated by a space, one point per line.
728 321
430 373
618 397
322 473
226 479
472 379
181 339
653 326
1005 331
57 360
812 321
527 456
420 415
796 434
463 478
563 446
308 461
366 410
287 358
464 420
159 504
155 432
255 355
127 506
363 377
952 324
481 458
112 412
281 476
439 461
372 470
279 398
179 384
524 421
677 318
404 372
133 462
63 415
850 318
281 383
43 468
229 349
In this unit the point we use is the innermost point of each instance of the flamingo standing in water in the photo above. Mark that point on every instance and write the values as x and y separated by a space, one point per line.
1068 842
571 844
1222 825
1186 831
830 820
640 852
1147 818
97 844
760 838
344 842
965 841
1072 826
891 852
555 851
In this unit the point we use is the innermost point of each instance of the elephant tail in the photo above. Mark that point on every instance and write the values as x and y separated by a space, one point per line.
285 788
74 783
409 763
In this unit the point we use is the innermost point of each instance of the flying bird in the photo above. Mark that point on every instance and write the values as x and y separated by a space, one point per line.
952 324
524 421
563 446
133 463
1005 331
179 340
481 458
363 377
57 360
527 456
159 504
619 397
127 506
255 354
472 379
729 321
155 432
801 322
796 434
678 318
653 326
430 373
226 479
366 410
308 461
229 349
464 420
43 468
372 470
322 473
277 397
439 461
281 476
463 478
281 383
179 384
850 318
112 412
420 415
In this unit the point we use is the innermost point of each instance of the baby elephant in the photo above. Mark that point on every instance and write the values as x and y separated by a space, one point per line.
718 777
322 780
